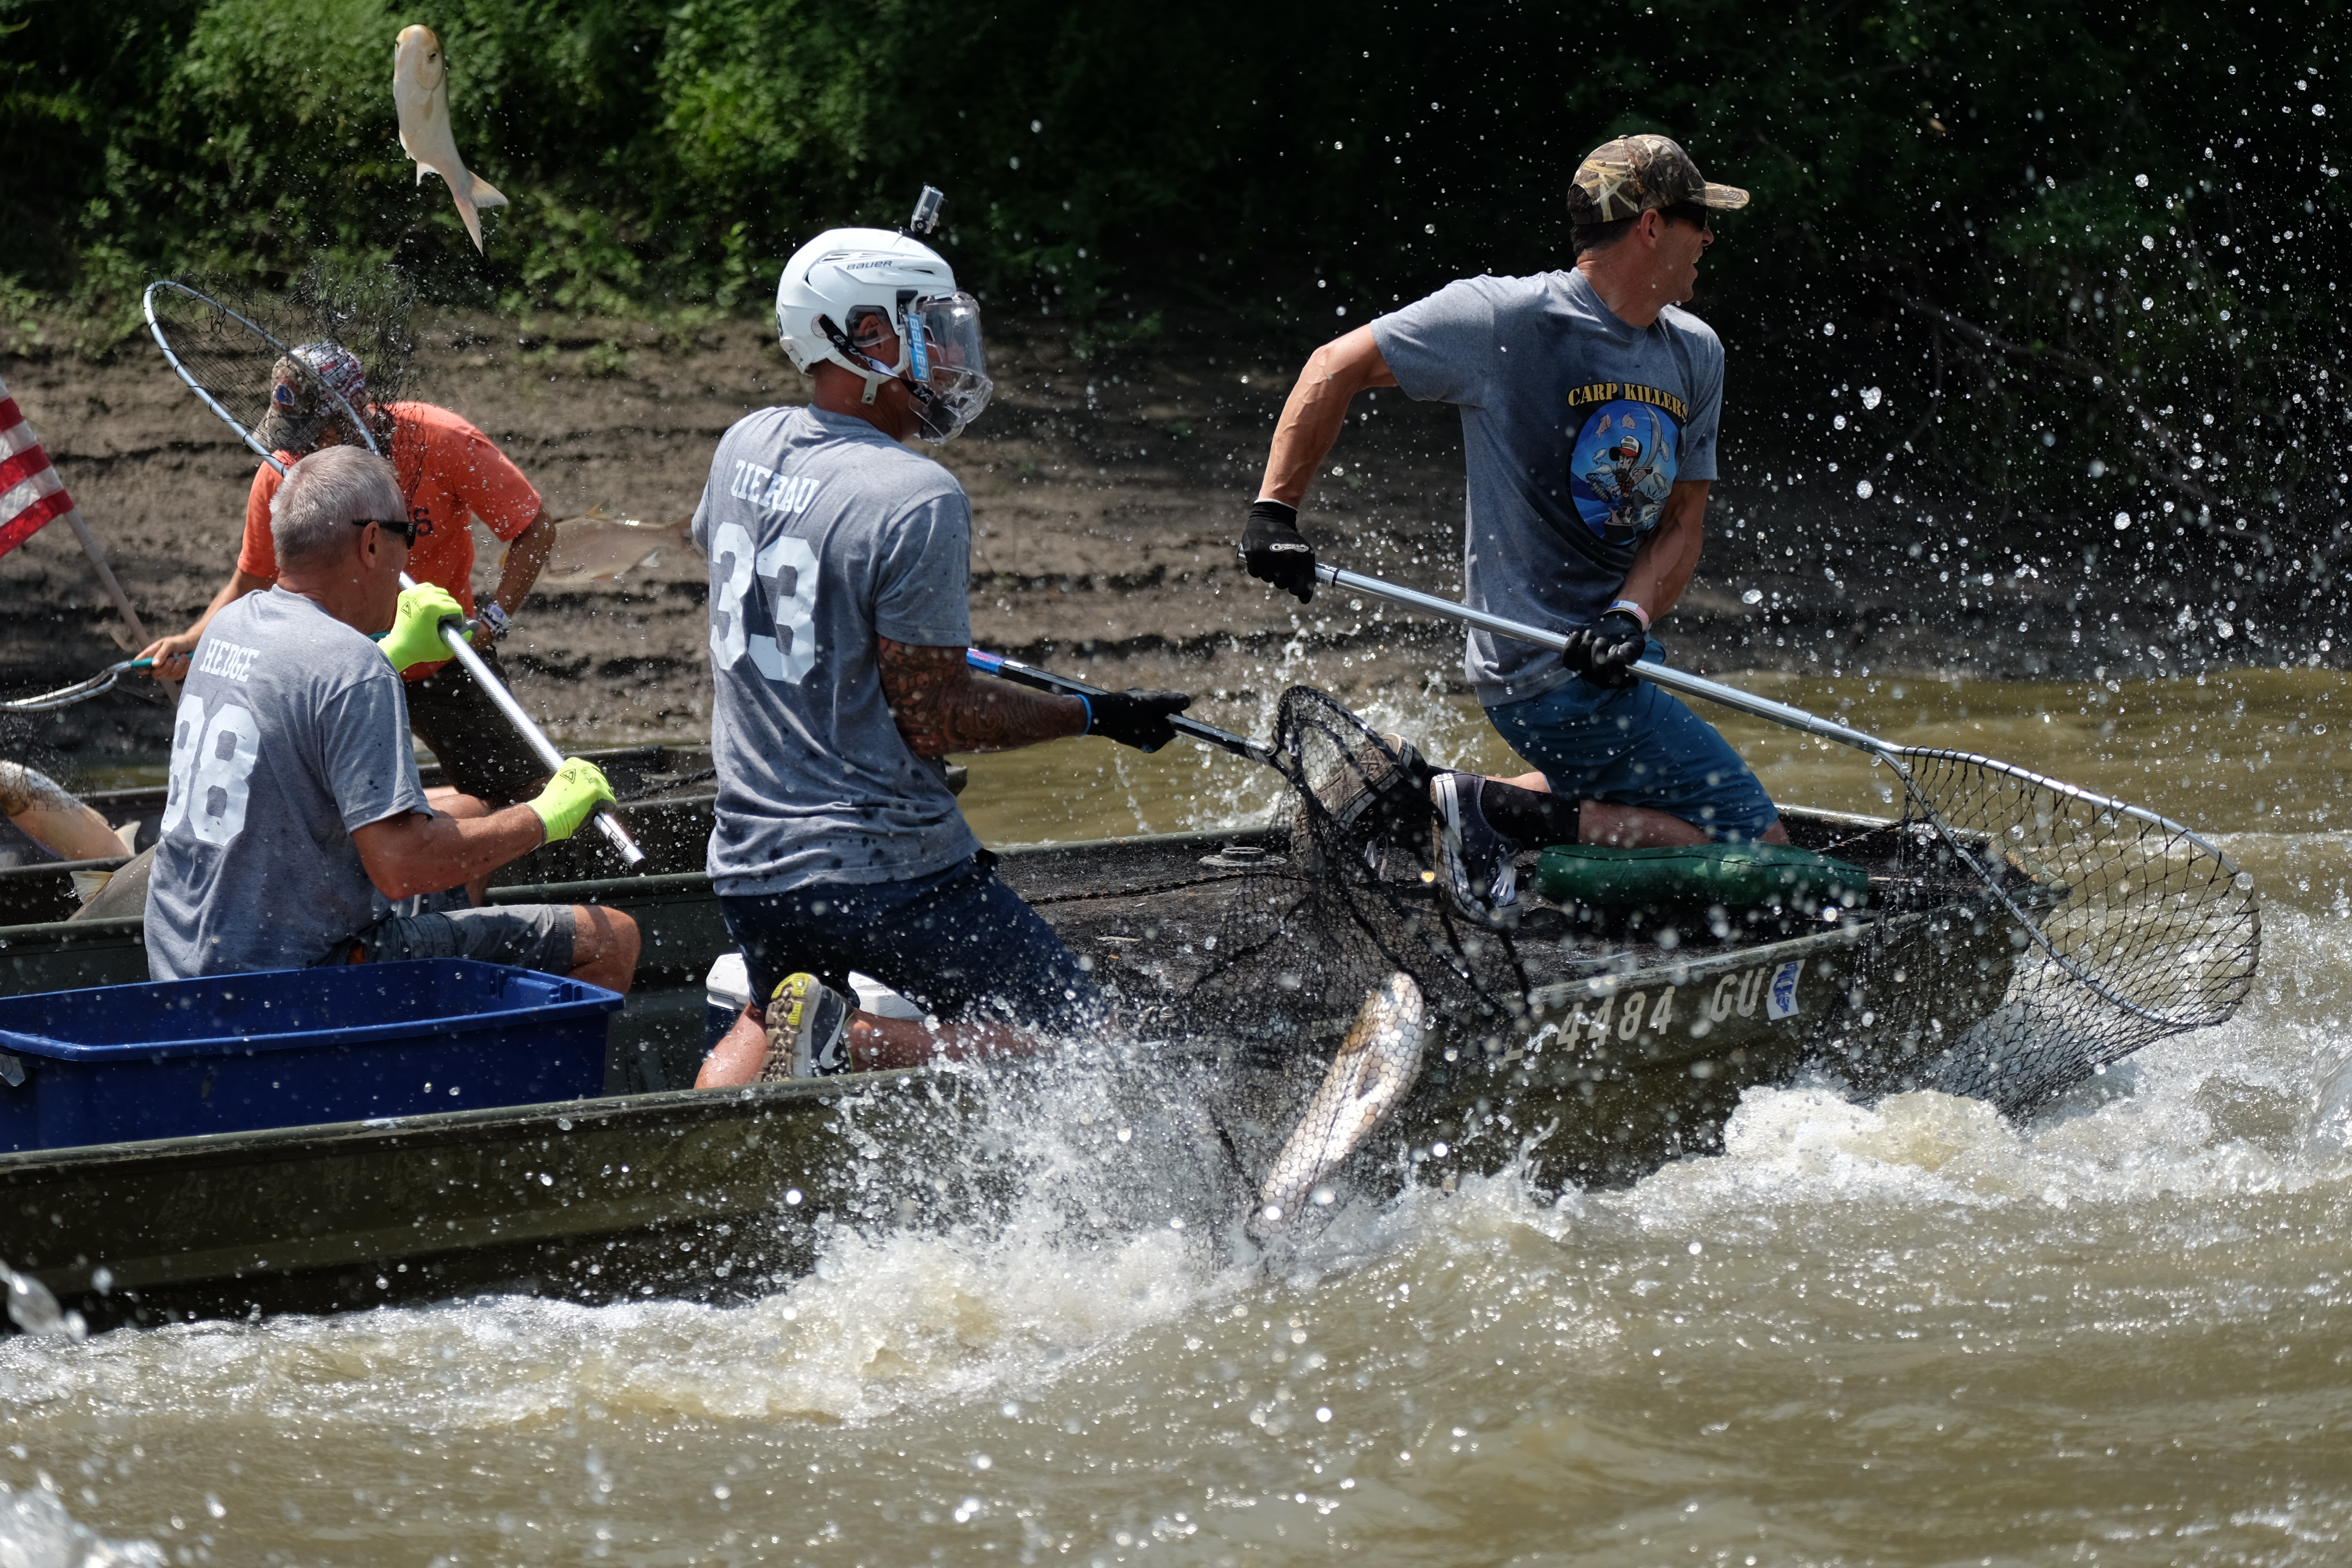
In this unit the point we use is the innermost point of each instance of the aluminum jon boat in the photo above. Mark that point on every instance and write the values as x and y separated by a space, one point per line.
1632 1047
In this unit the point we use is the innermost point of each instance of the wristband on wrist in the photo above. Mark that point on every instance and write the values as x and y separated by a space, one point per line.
1634 610
1090 712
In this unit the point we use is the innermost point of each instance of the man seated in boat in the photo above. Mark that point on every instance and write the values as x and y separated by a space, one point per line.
295 816
840 566
1590 403
448 473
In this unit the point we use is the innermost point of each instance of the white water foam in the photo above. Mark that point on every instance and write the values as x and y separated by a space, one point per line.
36 1531
1100 1245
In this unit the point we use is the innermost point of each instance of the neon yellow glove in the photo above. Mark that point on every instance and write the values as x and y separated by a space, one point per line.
577 789
415 634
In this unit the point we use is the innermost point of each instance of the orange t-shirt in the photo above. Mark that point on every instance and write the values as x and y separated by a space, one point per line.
449 472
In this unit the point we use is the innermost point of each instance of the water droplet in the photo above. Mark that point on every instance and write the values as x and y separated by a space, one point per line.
1864 489
1829 329
1753 597
1872 397
2123 520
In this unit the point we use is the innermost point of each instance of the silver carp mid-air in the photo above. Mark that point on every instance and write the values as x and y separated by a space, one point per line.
594 548
1375 1069
420 88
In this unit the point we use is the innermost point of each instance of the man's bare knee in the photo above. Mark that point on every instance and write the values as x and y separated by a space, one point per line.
604 947
1633 826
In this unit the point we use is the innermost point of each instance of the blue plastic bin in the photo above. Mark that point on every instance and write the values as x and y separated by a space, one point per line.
293 1046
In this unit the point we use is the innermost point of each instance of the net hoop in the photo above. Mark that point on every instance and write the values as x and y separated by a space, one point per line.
180 368
1958 842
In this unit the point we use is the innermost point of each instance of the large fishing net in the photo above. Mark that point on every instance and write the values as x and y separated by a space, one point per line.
1353 901
233 343
2124 928
2064 929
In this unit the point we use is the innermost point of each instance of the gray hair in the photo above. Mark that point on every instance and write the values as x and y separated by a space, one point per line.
324 494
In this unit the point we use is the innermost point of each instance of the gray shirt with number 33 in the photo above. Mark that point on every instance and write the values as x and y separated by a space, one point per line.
292 731
823 534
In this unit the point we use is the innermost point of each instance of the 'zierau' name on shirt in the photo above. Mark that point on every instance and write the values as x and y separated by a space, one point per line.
770 490
225 658
1611 391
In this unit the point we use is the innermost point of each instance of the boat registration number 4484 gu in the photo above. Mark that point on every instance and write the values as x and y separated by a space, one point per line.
1685 1014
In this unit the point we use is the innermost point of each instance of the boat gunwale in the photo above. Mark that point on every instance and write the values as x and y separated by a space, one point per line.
441 1128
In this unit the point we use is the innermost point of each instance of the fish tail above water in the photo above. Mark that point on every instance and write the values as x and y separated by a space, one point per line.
1369 1077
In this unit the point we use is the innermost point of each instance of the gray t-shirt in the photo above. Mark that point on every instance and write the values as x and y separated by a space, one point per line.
292 732
823 534
1574 429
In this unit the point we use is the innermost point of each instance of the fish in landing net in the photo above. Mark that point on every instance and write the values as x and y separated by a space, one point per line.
594 548
420 88
1374 1070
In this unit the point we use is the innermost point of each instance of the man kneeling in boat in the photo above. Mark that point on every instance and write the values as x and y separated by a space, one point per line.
840 570
1589 404
295 813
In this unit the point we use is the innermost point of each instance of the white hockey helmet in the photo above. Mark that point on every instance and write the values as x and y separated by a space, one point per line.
849 288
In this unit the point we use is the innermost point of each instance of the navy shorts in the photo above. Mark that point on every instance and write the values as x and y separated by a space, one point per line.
529 936
960 944
1637 745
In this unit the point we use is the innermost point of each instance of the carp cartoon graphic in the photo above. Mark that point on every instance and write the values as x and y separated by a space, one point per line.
1625 470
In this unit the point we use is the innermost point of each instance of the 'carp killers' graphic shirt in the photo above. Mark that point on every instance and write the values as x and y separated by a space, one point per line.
1575 428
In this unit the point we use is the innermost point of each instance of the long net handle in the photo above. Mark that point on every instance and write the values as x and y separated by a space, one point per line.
1675 680
1765 708
1029 675
460 647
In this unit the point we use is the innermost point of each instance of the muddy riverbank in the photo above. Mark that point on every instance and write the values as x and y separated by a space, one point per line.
1109 483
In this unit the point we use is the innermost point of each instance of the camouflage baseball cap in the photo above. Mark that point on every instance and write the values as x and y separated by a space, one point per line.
1627 177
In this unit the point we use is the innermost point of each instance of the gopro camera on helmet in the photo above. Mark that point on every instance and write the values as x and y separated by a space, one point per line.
885 305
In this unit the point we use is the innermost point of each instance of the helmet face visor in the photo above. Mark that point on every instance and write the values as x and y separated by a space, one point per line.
944 354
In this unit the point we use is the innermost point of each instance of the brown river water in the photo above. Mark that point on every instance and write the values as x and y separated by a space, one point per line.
1899 1334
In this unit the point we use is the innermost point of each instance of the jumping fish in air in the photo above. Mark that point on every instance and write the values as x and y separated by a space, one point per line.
420 87
594 548
1369 1077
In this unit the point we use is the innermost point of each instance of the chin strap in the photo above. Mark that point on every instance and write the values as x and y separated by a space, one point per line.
876 372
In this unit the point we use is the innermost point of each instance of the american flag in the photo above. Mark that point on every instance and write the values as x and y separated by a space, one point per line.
31 494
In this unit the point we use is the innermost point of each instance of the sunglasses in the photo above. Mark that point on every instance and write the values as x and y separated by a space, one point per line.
410 529
1695 214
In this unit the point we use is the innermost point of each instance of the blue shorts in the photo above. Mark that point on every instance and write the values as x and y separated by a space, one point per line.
958 943
1637 745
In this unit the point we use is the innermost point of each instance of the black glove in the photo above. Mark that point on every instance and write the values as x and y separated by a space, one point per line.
1275 551
1603 653
1135 717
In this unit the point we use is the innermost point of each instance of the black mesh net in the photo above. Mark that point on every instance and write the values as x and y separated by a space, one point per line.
2126 928
234 343
1357 902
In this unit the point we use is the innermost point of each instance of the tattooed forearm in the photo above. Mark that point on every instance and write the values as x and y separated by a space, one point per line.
943 709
